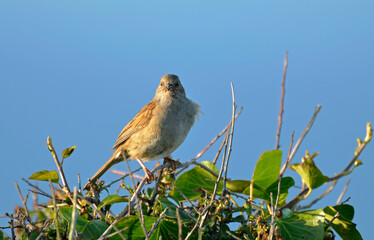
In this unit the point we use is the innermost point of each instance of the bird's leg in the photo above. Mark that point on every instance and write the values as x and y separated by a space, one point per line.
148 175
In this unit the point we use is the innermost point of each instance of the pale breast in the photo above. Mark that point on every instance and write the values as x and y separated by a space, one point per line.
167 130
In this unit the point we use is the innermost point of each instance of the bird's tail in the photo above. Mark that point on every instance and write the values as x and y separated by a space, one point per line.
114 159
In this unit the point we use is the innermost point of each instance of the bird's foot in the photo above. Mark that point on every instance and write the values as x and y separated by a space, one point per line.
149 176
174 163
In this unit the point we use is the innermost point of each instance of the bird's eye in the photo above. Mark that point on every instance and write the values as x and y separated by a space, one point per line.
177 84
162 84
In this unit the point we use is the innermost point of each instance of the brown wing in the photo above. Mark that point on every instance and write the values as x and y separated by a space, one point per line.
141 120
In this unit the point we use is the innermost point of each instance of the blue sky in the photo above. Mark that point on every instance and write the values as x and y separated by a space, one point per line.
79 71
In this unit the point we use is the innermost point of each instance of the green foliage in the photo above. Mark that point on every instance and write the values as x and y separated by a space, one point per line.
45 175
302 225
342 224
309 172
267 169
68 151
193 181
194 205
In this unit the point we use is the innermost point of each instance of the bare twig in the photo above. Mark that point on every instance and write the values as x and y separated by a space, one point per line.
139 203
117 232
324 194
94 206
224 189
272 224
218 136
157 222
360 148
205 213
155 190
55 210
121 178
316 111
232 235
288 157
337 215
184 196
59 167
277 136
39 191
196 224
24 202
79 183
180 233
11 224
220 149
343 192
74 216
42 230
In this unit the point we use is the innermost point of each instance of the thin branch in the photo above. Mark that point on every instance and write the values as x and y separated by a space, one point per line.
232 235
343 192
101 214
184 196
224 158
43 229
139 203
340 175
224 189
316 111
337 215
117 232
324 194
59 167
11 224
288 157
121 178
218 136
195 226
180 233
74 216
55 210
39 191
79 183
24 202
220 149
155 191
272 223
277 136
157 222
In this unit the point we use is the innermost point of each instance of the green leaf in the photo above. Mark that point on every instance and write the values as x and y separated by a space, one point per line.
169 230
67 212
342 225
33 236
237 186
86 229
267 168
309 172
94 229
45 175
172 208
196 178
345 210
261 193
68 151
132 229
302 225
111 199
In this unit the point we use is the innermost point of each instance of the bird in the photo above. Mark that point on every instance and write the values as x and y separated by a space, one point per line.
158 129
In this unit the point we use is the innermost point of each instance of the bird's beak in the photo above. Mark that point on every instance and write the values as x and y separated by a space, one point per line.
170 87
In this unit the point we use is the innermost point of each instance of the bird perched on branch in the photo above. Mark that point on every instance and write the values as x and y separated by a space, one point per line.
157 130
